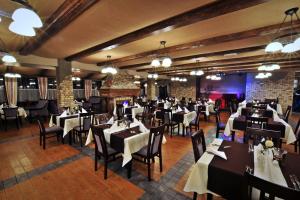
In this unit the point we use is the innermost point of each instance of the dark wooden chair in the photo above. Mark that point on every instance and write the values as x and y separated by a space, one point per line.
296 131
202 110
258 134
199 147
160 116
85 121
287 113
195 123
45 133
40 109
267 113
266 187
120 111
257 122
102 149
170 122
102 118
220 125
147 111
10 114
153 148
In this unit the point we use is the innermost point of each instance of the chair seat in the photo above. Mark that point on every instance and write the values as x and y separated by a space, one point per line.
53 129
222 126
77 129
142 152
171 123
258 126
111 151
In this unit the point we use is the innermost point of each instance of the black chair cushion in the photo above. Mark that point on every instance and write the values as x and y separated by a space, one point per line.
53 129
222 126
142 152
111 151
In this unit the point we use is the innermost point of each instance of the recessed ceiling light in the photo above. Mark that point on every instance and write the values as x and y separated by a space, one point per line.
231 54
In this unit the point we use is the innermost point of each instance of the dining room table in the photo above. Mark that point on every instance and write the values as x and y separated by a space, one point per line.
238 122
222 173
130 144
184 118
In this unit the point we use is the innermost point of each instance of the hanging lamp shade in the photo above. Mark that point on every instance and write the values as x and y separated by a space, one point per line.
9 59
273 47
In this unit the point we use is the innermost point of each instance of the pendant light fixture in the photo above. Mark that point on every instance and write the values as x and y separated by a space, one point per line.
162 60
24 20
7 58
197 72
109 68
9 74
292 44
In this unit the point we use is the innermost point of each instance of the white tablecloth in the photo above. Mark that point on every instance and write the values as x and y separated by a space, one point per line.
208 108
21 112
136 111
289 135
197 181
131 144
188 117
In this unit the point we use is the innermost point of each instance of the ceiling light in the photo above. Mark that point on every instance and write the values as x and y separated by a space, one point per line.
27 17
76 79
109 69
9 58
162 60
270 67
263 75
193 73
21 29
155 63
167 62
208 77
290 46
12 75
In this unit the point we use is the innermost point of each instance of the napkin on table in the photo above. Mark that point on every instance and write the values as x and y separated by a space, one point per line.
221 154
110 121
186 110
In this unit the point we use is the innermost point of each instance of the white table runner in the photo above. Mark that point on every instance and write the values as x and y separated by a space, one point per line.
197 181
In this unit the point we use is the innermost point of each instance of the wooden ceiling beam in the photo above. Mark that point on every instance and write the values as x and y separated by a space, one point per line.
263 31
195 56
257 62
236 68
67 12
202 13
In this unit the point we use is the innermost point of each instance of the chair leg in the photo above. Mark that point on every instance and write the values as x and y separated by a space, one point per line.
44 141
80 138
195 196
209 196
96 161
149 169
171 131
105 168
160 162
17 123
40 139
232 136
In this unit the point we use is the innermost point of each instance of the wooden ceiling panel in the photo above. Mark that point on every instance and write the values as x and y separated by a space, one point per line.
109 19
247 19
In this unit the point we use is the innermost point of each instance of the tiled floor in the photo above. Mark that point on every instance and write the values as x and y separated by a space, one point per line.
66 172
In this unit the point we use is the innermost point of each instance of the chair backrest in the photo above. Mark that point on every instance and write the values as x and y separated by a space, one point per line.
168 116
198 142
259 134
287 113
85 121
245 112
120 111
155 140
101 118
261 121
273 189
10 112
267 113
41 127
160 114
99 139
297 128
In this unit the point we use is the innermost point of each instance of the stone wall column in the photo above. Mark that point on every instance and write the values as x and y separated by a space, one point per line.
151 89
65 96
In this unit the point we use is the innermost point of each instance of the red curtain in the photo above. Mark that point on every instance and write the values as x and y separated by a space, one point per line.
43 87
87 89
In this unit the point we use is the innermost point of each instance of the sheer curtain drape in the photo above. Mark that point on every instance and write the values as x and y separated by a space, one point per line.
87 89
43 87
11 88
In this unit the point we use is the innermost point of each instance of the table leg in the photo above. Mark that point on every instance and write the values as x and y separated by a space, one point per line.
183 130
129 168
70 138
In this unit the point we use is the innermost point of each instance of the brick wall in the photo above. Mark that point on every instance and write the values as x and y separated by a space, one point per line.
65 94
151 89
184 89
280 85
122 80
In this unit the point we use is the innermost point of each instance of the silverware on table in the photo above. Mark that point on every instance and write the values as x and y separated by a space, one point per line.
226 147
294 182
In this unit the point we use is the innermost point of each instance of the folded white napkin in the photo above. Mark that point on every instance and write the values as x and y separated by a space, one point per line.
114 126
178 109
110 121
12 105
1 106
163 101
115 111
137 105
167 101
140 124
221 154
63 114
83 110
186 110
234 115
